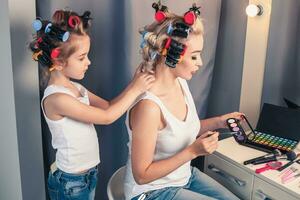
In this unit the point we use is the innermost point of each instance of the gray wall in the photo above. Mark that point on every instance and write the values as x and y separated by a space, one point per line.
21 116
282 73
10 185
226 82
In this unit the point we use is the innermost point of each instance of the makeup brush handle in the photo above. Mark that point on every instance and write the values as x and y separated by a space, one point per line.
285 166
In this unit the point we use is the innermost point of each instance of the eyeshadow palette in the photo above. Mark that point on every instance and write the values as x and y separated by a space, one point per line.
258 140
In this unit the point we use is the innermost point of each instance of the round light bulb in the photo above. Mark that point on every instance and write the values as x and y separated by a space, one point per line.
253 10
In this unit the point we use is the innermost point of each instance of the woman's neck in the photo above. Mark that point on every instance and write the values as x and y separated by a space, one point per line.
165 80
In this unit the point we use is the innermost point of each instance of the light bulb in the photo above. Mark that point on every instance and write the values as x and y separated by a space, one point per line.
254 10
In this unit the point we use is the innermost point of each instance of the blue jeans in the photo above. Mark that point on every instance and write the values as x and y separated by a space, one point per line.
200 186
66 186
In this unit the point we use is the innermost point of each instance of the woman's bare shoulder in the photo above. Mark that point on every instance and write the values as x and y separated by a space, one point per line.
146 107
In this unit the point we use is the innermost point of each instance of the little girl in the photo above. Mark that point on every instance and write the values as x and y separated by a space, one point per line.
62 46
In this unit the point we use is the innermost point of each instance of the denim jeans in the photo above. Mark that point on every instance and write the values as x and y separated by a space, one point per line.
66 186
200 186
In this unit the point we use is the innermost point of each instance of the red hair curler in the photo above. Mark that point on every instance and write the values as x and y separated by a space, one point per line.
160 12
55 53
73 21
190 17
168 43
160 16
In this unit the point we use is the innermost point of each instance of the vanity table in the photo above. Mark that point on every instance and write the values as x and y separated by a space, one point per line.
226 166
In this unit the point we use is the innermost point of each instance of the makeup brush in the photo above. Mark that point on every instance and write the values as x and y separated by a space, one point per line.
288 164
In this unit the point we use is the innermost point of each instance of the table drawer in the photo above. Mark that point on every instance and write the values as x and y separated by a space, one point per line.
233 178
263 190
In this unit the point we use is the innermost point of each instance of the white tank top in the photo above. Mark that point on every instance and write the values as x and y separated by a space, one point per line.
76 142
176 136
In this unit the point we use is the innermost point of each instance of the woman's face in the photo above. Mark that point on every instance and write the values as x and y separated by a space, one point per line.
192 60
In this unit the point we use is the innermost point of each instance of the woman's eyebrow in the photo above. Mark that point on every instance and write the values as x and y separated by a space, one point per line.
197 51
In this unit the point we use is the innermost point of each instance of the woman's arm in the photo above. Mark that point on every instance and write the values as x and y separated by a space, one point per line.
145 120
218 122
210 124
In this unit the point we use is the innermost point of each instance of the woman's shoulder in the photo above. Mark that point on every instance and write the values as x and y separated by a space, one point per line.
146 111
146 104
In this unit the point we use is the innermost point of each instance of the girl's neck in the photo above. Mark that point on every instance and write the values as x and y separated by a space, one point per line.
58 78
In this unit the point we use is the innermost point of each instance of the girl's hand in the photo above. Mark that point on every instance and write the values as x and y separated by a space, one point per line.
142 81
223 118
205 144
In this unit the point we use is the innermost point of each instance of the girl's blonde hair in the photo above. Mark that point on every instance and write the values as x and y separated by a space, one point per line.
61 20
157 36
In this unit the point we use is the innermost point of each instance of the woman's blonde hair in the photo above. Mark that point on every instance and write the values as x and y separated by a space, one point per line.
157 34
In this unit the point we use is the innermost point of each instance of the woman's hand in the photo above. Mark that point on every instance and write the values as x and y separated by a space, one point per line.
223 118
142 81
205 144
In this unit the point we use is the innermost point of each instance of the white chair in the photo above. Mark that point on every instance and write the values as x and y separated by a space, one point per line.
115 189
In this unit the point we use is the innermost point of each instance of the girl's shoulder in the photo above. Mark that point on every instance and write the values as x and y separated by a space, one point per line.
57 90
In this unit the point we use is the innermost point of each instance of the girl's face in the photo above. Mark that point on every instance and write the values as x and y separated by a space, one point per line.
78 62
192 60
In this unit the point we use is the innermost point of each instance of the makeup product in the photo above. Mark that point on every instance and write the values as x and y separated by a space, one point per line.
274 153
258 140
289 175
288 172
269 166
287 164
288 156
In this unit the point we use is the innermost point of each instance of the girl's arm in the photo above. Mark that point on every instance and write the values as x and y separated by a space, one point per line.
104 104
218 122
60 105
97 101
145 120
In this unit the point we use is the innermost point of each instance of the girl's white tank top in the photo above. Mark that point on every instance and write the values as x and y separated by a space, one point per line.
76 142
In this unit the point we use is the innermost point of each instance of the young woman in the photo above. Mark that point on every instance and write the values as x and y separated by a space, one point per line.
165 133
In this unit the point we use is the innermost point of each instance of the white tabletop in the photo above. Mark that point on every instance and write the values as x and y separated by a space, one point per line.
230 150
